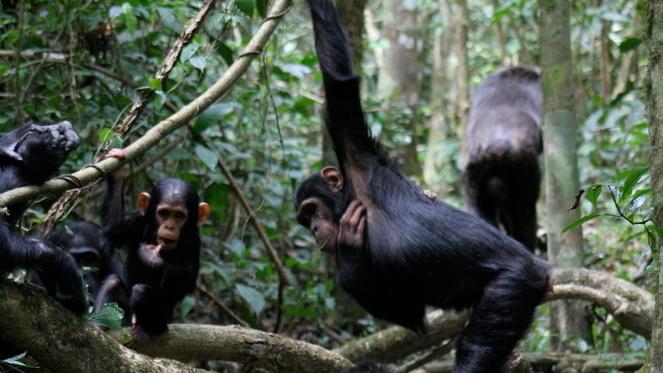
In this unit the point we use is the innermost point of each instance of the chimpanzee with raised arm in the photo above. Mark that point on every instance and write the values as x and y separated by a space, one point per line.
163 242
397 250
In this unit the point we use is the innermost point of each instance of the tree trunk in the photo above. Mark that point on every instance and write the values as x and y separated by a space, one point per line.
655 88
462 23
398 82
436 165
569 321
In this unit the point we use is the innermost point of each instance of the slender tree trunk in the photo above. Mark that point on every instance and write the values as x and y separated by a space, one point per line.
436 164
398 82
463 71
655 88
606 78
569 321
499 34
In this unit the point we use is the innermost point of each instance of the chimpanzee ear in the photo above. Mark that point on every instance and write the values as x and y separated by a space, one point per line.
333 177
203 212
143 202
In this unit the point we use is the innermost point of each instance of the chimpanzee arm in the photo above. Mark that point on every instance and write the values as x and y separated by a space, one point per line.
57 268
117 227
346 125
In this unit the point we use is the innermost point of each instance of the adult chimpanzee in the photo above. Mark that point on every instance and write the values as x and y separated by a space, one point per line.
82 240
163 244
504 139
30 155
396 249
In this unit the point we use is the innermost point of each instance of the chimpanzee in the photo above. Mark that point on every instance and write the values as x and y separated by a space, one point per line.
82 240
163 244
504 139
397 250
30 155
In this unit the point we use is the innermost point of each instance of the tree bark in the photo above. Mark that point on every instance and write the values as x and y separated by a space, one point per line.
463 72
37 323
398 82
569 321
655 90
436 165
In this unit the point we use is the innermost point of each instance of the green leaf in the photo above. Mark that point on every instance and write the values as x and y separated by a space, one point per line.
110 316
253 297
245 6
217 196
633 177
629 44
261 5
159 99
187 305
199 62
206 156
593 194
226 53
501 13
212 116
579 221
188 52
154 83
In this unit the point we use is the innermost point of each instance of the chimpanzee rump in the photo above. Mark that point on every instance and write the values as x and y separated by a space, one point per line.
502 175
163 244
398 250
30 155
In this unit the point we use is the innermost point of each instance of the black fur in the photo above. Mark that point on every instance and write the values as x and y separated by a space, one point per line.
82 240
30 155
153 292
502 176
418 251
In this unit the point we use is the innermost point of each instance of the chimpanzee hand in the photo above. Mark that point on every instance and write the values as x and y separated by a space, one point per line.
352 226
121 155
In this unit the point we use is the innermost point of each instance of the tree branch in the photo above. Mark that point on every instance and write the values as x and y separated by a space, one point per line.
64 342
151 138
53 335
35 322
631 306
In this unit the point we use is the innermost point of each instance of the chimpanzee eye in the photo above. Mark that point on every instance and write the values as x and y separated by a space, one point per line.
180 215
162 213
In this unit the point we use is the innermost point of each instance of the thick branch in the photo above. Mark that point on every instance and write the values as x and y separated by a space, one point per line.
560 361
235 343
630 305
53 335
155 134
63 342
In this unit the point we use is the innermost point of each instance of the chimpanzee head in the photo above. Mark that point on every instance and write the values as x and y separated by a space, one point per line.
320 202
38 150
173 212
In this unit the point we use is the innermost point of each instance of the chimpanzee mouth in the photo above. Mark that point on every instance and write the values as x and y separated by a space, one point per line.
167 243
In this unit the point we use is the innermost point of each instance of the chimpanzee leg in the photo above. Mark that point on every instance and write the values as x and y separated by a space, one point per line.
499 319
520 221
150 310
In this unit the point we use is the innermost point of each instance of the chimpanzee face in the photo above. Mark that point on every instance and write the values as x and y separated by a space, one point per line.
318 218
39 149
171 219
